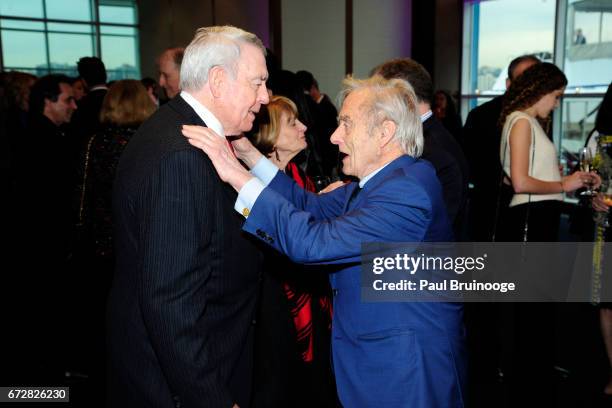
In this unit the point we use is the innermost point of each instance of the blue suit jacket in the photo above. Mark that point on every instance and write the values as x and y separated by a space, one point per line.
397 354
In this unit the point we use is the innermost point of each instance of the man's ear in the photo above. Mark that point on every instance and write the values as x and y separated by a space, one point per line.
46 104
216 80
388 129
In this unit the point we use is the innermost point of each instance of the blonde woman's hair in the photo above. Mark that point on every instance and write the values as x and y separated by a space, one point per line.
268 122
126 103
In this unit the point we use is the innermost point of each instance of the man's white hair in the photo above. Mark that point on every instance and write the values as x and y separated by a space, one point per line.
394 100
211 47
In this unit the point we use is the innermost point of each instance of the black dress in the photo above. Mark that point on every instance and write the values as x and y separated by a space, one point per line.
292 335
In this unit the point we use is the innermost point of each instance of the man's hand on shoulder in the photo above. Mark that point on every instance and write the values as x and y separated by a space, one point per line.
218 150
245 151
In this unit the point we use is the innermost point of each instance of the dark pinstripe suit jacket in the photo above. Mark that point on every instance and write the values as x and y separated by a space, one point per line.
181 307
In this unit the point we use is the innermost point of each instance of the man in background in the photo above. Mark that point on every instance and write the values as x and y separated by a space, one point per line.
440 147
169 66
86 120
45 208
482 136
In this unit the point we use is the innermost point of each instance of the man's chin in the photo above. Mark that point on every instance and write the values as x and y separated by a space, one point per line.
346 170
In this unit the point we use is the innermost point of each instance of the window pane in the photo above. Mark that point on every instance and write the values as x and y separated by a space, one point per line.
506 29
22 8
69 10
117 14
72 28
24 25
105 29
588 46
578 121
66 49
119 56
23 49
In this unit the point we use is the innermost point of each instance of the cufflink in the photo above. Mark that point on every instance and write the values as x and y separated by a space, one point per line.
245 212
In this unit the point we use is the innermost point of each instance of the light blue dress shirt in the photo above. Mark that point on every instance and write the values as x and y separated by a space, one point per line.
264 171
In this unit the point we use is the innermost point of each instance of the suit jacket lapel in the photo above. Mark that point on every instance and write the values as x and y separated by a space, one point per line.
179 105
351 199
192 118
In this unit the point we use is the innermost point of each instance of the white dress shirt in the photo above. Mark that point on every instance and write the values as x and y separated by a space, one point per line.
204 114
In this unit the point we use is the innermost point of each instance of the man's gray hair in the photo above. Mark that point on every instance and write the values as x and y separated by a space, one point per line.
211 47
394 100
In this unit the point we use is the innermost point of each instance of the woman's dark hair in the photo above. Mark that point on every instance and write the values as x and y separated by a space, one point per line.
526 90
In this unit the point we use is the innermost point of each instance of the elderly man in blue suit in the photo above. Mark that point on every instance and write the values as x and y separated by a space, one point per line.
402 354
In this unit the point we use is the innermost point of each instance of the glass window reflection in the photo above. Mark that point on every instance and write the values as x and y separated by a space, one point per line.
79 10
24 49
22 8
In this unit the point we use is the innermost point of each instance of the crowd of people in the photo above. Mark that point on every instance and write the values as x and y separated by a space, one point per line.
196 240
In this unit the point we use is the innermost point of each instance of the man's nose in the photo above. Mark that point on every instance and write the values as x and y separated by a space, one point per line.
263 97
335 138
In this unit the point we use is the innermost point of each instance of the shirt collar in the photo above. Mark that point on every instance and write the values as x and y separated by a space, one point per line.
367 178
95 88
204 114
426 116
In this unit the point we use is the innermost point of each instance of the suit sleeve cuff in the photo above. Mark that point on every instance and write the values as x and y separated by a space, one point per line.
248 195
264 170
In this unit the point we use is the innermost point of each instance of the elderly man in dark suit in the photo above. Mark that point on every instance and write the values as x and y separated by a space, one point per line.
183 298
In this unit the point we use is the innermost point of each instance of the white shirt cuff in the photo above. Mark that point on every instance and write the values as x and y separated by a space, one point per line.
248 195
264 170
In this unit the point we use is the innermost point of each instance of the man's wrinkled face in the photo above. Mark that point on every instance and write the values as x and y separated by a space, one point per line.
359 147
60 112
169 75
242 96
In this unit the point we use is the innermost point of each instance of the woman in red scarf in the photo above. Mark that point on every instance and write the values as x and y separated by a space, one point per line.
292 362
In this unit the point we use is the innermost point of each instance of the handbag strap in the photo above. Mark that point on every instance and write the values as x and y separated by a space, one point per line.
501 182
533 142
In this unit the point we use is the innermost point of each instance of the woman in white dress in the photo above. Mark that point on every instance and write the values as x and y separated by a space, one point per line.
529 158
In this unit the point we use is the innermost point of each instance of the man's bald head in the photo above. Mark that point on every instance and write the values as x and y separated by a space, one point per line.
519 65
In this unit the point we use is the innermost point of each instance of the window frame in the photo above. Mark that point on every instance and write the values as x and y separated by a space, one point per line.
96 34
469 63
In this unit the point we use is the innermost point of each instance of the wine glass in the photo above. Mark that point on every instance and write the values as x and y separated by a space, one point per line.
586 163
